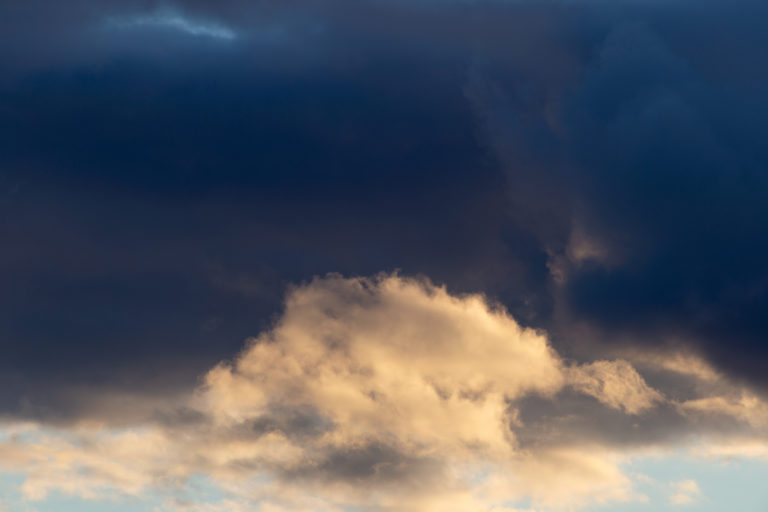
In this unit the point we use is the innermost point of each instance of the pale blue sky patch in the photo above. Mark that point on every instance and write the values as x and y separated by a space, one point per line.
732 485
737 484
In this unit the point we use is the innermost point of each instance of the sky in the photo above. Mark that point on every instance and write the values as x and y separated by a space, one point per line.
379 256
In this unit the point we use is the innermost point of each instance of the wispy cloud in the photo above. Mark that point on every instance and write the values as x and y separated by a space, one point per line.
174 21
685 492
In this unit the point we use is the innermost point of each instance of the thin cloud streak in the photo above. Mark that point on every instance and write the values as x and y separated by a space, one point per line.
175 22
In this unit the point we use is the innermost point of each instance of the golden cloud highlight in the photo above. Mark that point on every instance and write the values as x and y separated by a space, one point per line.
386 393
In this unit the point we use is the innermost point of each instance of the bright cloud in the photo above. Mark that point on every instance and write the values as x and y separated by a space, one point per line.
616 384
385 392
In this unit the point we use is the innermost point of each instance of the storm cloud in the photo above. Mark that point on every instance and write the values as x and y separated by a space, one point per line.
582 163
592 172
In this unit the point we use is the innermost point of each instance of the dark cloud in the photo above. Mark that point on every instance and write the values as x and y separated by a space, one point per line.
651 174
370 466
297 422
159 189
572 419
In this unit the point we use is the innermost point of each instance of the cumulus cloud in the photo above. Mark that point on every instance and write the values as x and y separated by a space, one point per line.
384 393
394 383
393 356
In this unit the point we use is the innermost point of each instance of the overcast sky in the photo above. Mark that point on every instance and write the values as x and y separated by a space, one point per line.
379 255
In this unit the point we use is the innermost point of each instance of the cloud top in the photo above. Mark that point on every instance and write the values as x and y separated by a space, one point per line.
390 357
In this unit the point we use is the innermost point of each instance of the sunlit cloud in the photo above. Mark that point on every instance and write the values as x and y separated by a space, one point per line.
383 393
685 492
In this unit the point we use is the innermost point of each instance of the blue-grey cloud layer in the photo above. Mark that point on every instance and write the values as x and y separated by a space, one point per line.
160 185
